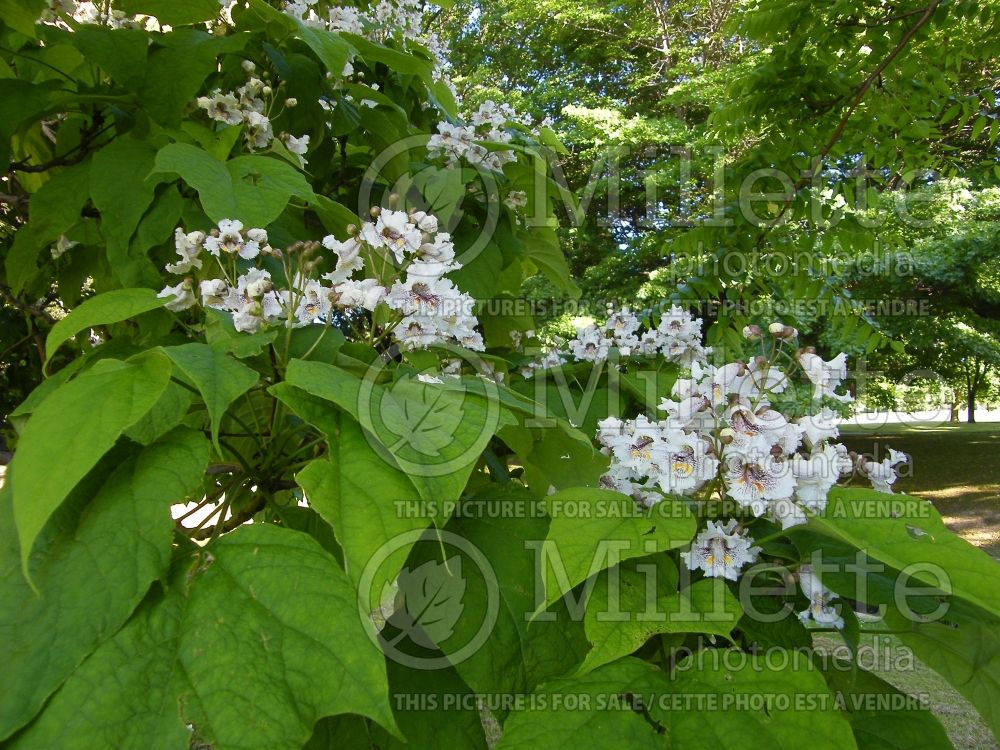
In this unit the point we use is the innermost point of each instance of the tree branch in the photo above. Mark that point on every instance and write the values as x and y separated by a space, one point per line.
838 132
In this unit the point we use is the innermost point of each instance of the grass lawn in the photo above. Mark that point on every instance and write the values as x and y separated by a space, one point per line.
958 717
956 467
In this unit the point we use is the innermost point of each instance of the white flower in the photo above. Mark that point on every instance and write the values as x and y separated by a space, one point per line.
883 475
752 477
819 427
222 107
786 512
825 376
348 258
183 296
249 318
721 551
345 19
257 235
814 476
213 292
393 230
689 464
428 378
188 248
366 293
441 248
259 132
429 270
640 446
297 146
315 302
229 239
254 284
426 222
516 199
590 345
819 598
678 336
64 243
756 430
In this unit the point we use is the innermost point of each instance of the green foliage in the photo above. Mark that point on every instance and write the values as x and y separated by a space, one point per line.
229 527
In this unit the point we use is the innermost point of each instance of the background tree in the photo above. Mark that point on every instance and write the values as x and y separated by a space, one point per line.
826 105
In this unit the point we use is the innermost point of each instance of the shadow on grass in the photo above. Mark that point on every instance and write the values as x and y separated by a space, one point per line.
955 466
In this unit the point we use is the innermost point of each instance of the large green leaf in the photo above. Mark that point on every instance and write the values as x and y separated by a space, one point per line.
218 377
79 423
593 529
434 434
907 533
120 52
882 717
967 655
331 48
487 556
624 609
254 189
591 711
109 307
95 568
400 62
21 14
432 709
121 192
718 696
369 504
250 646
177 68
559 456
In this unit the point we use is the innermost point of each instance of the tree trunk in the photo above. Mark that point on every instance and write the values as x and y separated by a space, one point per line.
970 405
954 411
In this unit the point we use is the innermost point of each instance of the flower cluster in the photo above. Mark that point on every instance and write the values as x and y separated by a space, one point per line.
433 309
429 307
247 106
721 433
488 124
86 12
677 338
389 19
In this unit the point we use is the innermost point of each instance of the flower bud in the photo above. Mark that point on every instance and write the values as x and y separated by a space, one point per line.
727 435
266 91
291 102
248 66
789 332
752 332
776 328
375 211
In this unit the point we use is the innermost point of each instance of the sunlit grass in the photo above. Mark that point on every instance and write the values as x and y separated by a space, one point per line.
957 467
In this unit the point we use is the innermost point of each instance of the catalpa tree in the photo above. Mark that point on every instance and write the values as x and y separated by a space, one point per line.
296 469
